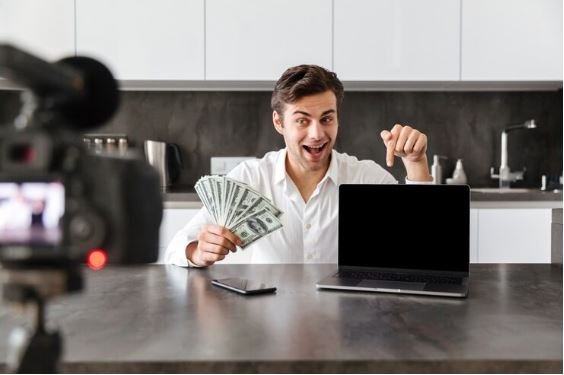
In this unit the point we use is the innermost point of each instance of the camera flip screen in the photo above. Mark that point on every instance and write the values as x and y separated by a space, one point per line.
31 213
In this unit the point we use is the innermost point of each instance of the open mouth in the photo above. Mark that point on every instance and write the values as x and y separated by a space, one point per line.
315 150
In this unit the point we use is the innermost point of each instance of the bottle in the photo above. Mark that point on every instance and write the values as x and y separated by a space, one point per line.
111 145
88 142
459 176
122 146
437 170
98 145
543 183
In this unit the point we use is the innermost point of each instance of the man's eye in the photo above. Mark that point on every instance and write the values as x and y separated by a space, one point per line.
327 120
302 121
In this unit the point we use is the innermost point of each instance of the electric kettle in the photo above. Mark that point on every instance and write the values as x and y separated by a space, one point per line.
165 158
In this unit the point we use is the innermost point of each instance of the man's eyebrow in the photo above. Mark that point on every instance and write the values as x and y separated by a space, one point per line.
307 114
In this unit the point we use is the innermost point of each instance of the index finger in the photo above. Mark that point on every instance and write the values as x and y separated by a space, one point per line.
224 232
390 147
387 138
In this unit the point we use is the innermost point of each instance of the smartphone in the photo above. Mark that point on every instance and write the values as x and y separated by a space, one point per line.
244 286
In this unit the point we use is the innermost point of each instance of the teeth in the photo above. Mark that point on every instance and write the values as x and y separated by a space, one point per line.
318 147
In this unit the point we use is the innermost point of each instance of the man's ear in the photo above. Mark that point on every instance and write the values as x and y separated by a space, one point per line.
277 121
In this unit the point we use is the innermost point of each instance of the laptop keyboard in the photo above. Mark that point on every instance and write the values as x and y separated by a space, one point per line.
399 277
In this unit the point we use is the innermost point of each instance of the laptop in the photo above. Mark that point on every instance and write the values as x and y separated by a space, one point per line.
412 239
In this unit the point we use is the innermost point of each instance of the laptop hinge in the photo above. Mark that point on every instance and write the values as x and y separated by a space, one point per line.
460 274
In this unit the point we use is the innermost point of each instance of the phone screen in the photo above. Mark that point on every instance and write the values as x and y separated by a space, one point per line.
244 286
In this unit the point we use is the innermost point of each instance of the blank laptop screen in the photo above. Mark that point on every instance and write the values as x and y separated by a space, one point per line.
416 227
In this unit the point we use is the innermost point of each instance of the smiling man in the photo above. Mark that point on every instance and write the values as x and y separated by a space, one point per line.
302 179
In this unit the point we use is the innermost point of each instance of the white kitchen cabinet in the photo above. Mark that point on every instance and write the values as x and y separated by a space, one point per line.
514 235
43 28
144 39
504 40
384 40
259 39
473 235
173 220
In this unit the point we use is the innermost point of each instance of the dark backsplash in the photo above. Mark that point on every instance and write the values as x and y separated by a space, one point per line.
464 125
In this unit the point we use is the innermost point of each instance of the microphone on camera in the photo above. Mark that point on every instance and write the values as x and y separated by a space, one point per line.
80 89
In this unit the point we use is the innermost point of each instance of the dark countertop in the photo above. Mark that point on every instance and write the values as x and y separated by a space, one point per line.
163 318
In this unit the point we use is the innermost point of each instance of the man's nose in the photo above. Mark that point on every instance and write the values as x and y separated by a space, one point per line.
316 130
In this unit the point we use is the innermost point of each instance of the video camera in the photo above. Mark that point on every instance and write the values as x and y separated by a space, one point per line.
61 204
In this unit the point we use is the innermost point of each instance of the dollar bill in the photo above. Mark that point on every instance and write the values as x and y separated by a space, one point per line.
256 226
203 189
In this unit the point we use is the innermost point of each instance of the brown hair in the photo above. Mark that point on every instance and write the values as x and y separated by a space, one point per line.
304 80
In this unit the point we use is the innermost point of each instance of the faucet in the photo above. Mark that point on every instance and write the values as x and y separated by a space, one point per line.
505 176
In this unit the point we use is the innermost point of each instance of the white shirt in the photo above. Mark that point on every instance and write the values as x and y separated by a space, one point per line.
309 232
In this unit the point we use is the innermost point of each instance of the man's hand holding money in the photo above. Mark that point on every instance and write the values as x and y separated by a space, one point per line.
241 216
214 243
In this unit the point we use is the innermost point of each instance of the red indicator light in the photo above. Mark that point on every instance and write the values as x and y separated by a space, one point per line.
97 259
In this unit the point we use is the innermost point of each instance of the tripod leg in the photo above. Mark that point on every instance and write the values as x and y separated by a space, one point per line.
36 352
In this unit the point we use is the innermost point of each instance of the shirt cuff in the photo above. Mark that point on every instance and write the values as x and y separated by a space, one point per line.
409 182
190 264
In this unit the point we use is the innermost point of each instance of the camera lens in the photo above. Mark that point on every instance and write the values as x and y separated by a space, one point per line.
22 153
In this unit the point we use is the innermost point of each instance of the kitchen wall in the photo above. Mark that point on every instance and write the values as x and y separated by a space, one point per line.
463 125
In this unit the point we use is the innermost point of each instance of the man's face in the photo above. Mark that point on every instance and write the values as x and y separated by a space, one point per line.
309 127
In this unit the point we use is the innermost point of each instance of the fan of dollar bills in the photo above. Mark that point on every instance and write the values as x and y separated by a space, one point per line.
238 207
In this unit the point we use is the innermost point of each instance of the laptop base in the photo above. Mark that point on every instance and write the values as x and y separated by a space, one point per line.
387 286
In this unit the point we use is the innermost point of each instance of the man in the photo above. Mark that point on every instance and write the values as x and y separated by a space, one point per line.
302 179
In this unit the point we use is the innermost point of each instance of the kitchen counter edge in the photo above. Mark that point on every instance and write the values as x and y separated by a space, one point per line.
190 200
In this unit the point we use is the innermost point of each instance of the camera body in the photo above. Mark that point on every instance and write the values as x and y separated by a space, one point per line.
58 201
78 201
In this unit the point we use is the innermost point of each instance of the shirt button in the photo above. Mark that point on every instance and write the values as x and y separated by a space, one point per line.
307 226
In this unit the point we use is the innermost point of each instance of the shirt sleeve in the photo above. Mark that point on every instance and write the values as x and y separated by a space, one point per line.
410 182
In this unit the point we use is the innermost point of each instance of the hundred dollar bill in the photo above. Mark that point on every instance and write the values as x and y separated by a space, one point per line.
257 206
255 201
246 198
234 205
256 226
229 200
203 188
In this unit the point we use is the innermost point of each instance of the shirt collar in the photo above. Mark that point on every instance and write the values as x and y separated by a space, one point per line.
280 169
333 170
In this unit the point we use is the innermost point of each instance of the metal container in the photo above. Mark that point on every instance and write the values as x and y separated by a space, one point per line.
165 158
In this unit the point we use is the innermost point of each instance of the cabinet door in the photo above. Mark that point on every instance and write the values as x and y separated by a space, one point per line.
173 220
514 235
260 39
512 40
385 40
474 235
43 28
144 39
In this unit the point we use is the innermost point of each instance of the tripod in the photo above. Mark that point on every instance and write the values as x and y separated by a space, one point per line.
34 352
37 351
